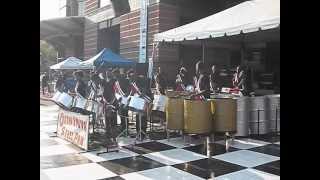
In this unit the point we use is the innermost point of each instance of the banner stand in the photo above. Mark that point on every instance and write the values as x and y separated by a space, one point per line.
75 128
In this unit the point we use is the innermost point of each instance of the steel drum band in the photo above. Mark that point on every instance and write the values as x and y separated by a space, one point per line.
220 113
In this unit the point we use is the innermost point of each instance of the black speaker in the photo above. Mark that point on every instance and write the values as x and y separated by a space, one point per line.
142 68
120 7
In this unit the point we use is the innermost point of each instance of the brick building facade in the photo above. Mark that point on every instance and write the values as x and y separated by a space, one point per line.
115 24
121 19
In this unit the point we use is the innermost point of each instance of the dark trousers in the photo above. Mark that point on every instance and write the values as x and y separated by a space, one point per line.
123 112
45 86
143 122
110 123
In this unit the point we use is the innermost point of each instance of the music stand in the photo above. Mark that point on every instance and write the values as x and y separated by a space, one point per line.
107 145
126 130
141 132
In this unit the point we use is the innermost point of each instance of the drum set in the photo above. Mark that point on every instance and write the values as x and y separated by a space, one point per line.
75 102
140 104
220 114
79 104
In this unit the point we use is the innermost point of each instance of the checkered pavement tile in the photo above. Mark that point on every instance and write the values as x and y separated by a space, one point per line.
123 153
148 147
208 168
245 143
255 158
266 137
62 160
214 149
166 172
174 156
130 164
179 142
90 171
271 149
113 178
246 158
272 167
56 150
249 173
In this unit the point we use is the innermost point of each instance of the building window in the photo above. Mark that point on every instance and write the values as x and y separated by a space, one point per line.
63 8
81 6
103 3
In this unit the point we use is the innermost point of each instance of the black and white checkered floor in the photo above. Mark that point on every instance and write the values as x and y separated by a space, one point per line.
246 158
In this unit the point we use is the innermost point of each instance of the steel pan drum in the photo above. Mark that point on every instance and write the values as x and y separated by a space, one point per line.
190 88
92 106
56 96
124 101
171 93
243 104
259 112
224 115
174 113
197 117
159 103
273 106
66 100
80 102
138 104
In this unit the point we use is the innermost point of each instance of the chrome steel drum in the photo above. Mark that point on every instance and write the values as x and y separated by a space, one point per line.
92 106
159 103
174 113
224 114
80 102
273 106
190 88
124 101
66 100
147 98
171 93
259 112
243 108
56 96
138 104
197 117
221 96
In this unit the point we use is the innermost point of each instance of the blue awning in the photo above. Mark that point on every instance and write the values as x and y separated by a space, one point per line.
108 58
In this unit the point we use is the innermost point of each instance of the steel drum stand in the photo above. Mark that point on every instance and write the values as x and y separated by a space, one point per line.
141 132
126 130
231 135
107 146
276 132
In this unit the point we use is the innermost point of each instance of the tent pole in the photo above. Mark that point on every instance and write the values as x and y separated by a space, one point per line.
242 49
203 50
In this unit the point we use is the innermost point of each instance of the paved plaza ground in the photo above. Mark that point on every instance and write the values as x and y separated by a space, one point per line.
156 158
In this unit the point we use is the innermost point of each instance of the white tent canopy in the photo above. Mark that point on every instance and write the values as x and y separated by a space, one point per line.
90 62
70 63
249 16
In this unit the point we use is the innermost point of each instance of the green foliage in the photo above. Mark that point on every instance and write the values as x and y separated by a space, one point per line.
48 55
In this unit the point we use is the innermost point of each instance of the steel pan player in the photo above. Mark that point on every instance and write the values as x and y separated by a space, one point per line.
109 103
202 83
140 85
93 86
181 80
161 82
80 89
214 79
122 87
